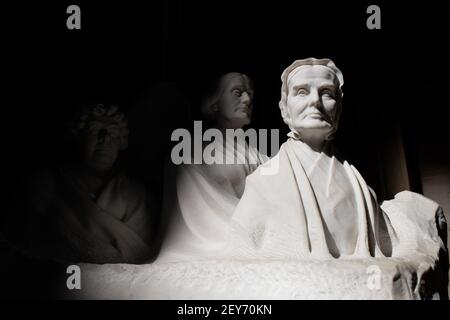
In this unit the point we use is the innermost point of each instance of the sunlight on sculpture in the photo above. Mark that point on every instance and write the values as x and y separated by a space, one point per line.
313 229
200 198
323 208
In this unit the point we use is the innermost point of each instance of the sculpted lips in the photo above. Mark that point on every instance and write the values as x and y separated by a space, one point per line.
243 109
318 115
315 115
103 150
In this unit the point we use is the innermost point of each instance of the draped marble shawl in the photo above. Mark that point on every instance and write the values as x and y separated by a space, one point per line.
292 213
199 200
313 206
55 216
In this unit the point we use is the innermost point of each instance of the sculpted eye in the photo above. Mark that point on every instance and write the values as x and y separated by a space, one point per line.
237 92
327 93
302 92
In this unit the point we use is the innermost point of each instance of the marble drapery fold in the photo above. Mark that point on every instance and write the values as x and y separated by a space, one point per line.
322 208
59 218
313 191
200 199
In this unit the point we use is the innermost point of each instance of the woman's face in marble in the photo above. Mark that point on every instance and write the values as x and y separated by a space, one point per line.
313 99
100 145
234 107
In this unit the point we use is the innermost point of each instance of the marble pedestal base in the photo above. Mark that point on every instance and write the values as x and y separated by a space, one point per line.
373 278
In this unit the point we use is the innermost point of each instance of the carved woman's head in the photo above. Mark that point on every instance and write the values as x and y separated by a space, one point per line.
100 132
228 102
311 96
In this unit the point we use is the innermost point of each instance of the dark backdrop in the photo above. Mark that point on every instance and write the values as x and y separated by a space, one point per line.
126 47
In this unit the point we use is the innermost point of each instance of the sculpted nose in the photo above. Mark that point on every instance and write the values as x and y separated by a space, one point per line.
314 98
103 136
245 98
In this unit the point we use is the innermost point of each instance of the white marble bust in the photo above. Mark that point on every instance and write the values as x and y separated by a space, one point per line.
311 103
322 204
200 198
